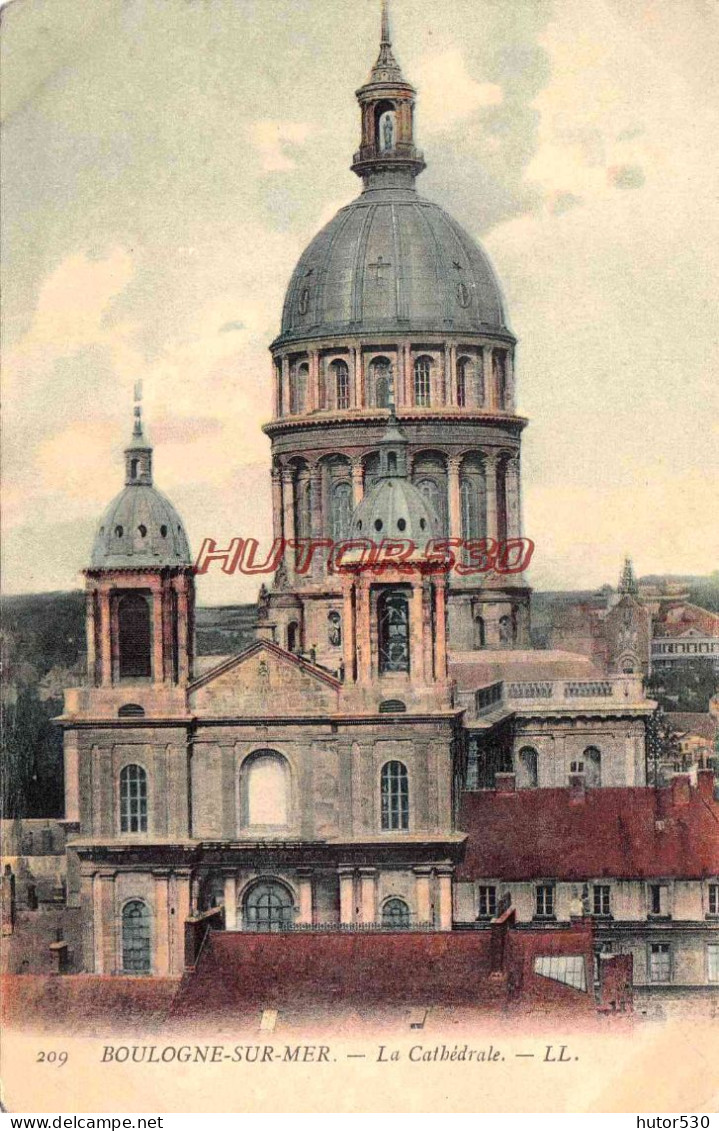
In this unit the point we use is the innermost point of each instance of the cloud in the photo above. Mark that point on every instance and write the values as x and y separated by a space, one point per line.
626 176
276 142
449 94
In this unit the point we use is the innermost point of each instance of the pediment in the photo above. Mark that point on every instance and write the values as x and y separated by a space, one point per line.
266 681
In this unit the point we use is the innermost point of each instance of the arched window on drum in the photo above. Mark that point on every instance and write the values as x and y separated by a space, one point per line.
341 384
380 374
341 510
423 382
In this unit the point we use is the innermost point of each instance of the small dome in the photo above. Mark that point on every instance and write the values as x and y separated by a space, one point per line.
392 261
395 508
140 529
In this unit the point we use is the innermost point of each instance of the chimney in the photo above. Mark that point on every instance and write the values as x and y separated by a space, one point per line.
706 784
577 789
505 783
681 789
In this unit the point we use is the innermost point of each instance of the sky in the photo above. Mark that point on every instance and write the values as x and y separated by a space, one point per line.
165 162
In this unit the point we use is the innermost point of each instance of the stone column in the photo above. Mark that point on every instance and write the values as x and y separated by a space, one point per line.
490 391
276 503
490 470
407 375
71 760
313 392
158 672
509 380
304 891
161 933
348 630
422 895
360 379
455 498
182 913
183 631
285 386
363 632
347 895
416 629
368 897
357 482
288 517
105 638
354 378
440 628
90 634
448 390
514 526
230 903
444 878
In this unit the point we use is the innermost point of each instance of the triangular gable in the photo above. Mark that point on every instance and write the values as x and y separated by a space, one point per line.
264 680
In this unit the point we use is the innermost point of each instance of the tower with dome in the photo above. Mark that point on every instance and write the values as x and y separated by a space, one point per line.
394 300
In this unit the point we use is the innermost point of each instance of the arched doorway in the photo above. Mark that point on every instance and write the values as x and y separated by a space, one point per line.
395 914
268 906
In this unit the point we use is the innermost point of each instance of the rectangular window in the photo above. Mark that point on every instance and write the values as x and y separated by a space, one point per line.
658 899
713 962
545 901
602 899
487 902
660 962
714 899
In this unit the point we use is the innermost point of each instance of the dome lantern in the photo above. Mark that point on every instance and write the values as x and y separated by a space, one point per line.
387 156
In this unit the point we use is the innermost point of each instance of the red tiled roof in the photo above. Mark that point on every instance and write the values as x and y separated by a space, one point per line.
619 833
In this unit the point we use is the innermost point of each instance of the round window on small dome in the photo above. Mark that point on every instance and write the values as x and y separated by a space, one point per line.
119 531
378 524
143 530
359 524
179 530
401 524
102 530
422 523
163 531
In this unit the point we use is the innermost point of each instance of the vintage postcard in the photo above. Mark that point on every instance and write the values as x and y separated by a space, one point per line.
360 625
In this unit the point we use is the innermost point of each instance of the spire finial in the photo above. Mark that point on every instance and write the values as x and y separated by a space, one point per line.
138 453
137 411
386 38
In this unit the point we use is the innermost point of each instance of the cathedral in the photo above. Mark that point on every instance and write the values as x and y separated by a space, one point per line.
390 754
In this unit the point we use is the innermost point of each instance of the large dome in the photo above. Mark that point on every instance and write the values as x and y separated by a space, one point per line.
388 261
139 530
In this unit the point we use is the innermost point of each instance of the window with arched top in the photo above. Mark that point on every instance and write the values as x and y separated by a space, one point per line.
593 767
136 952
380 374
268 906
464 377
265 790
528 768
393 631
133 799
499 367
436 497
506 635
423 382
395 914
299 379
134 636
480 632
341 381
293 636
394 796
471 494
341 510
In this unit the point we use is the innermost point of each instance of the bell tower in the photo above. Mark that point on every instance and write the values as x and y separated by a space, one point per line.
140 594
